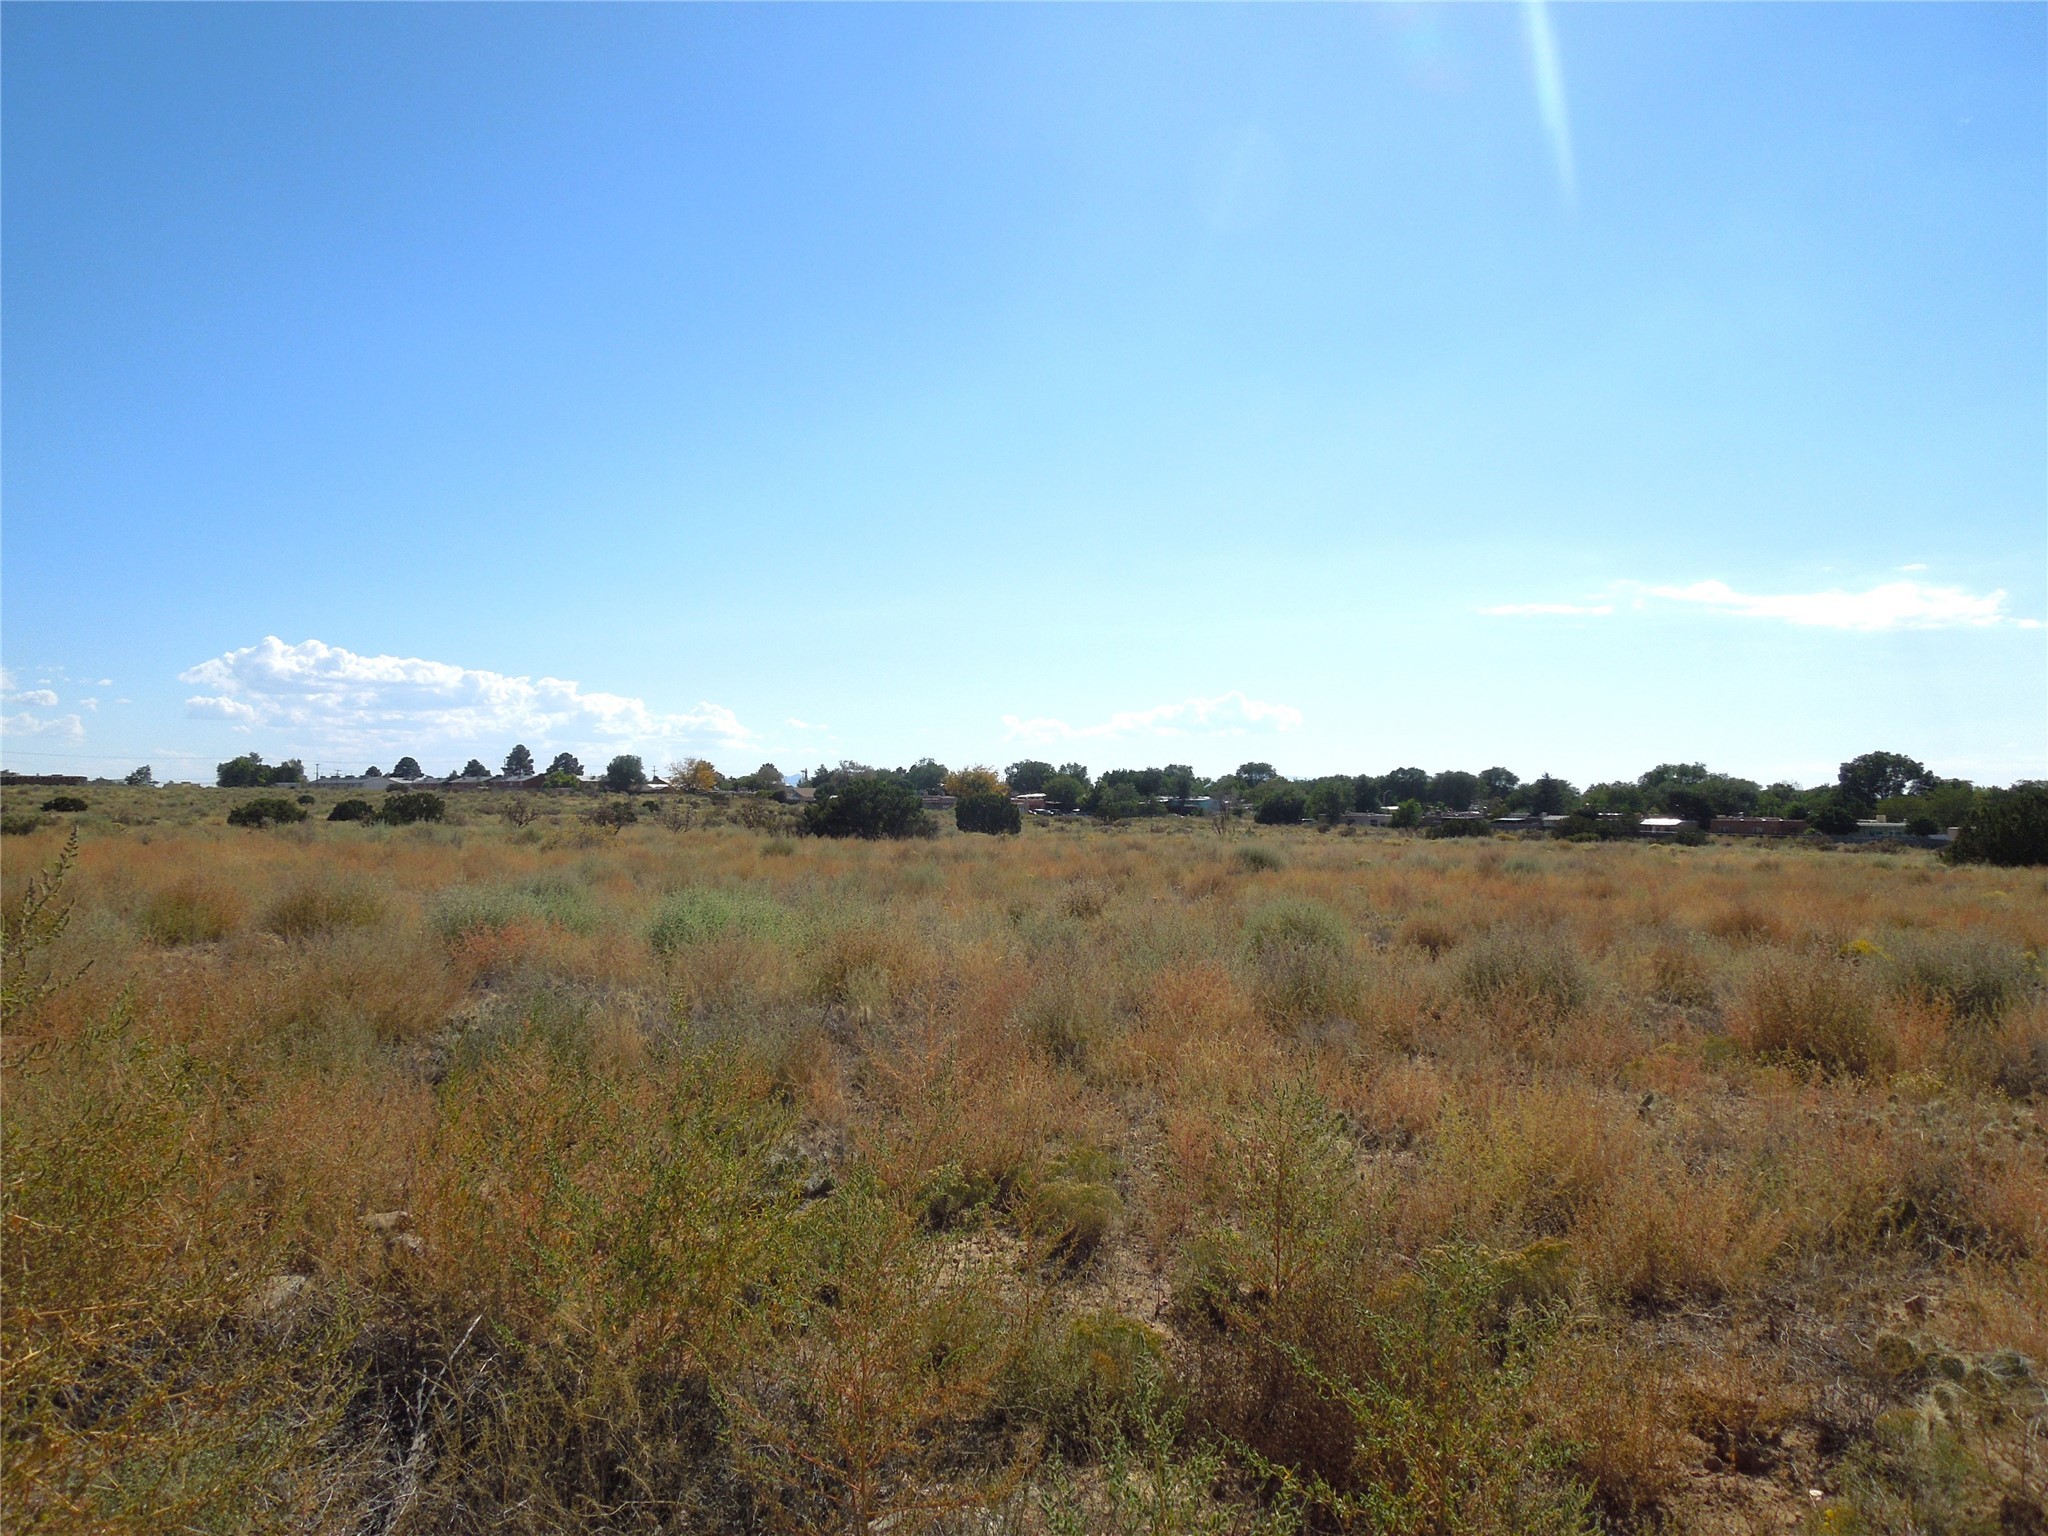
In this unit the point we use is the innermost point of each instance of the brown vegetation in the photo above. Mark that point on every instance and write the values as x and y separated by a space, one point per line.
514 1174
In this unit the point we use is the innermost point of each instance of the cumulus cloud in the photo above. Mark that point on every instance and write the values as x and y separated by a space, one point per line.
1227 714
329 695
1891 605
60 727
36 698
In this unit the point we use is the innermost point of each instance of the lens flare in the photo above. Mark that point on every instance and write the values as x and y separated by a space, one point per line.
1548 77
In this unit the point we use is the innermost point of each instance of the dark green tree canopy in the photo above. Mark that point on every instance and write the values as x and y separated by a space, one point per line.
625 774
565 762
1282 804
1404 784
873 805
2005 826
519 763
987 813
1878 775
407 768
474 769
1028 777
1075 771
1252 775
1064 792
925 776
1546 796
1497 782
142 778
1454 790
249 771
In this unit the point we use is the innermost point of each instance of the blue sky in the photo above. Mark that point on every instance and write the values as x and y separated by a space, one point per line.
1342 387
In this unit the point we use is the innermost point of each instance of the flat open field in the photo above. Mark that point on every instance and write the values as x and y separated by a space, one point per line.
477 1177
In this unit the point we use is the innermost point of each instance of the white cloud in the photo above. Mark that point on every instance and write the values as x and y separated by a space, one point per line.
38 698
64 727
329 696
805 725
1227 714
88 703
1892 605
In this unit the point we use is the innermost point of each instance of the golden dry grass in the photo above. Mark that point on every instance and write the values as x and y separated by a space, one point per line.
532 1177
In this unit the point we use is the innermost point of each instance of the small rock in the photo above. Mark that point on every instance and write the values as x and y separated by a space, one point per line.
388 1221
275 1295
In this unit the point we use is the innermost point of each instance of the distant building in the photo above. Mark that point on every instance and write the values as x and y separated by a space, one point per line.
939 802
1759 826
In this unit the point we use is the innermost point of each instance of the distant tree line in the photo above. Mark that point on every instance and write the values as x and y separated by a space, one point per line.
856 799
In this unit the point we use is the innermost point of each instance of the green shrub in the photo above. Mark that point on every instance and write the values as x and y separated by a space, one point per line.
403 807
1973 975
264 811
987 813
1407 814
697 914
1462 827
1256 858
249 771
193 911
353 810
315 905
65 803
18 824
872 806
613 815
2008 826
1512 966
463 908
1283 805
1837 818
1299 956
1087 1376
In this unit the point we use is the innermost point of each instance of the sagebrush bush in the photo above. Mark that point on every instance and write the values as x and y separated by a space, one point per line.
1973 975
193 910
696 914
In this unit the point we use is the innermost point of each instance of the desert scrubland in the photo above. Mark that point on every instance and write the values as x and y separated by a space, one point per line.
481 1177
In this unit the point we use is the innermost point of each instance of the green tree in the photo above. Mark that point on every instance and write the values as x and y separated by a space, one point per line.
1454 790
1115 798
249 771
1252 775
987 813
1404 784
1547 796
872 806
625 774
925 776
1876 775
1177 781
1064 792
1691 804
1329 798
1282 804
407 768
1619 797
1365 792
2005 826
1076 771
141 778
519 763
1670 775
474 769
1498 783
1028 776
1407 814
566 762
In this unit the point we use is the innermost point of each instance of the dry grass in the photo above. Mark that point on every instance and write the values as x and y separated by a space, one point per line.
522 1176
